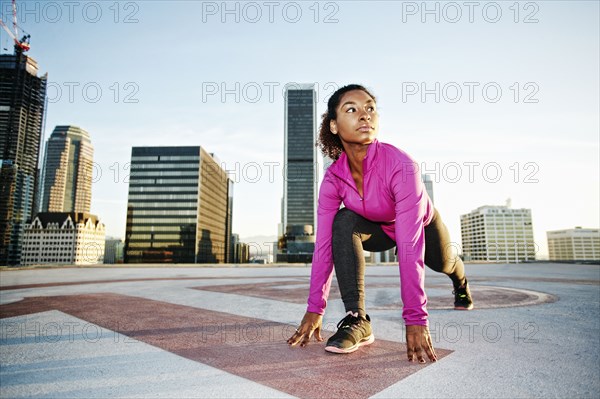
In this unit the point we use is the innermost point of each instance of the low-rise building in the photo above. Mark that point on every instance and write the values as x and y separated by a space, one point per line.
113 251
498 234
63 238
242 253
574 244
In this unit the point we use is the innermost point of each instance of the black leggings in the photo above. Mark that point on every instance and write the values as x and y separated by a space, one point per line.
352 233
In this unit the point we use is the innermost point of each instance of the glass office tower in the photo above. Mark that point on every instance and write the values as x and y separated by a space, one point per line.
22 105
67 171
300 180
177 209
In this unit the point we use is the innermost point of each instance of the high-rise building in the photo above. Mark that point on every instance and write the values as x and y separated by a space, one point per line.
233 249
574 244
22 105
497 234
177 210
63 238
240 251
300 187
428 185
68 163
229 249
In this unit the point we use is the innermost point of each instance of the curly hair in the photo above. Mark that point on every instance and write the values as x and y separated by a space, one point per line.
329 143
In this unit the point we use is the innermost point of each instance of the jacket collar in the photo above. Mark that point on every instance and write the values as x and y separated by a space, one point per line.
342 168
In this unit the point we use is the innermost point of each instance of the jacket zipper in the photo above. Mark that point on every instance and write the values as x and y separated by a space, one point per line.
364 190
362 198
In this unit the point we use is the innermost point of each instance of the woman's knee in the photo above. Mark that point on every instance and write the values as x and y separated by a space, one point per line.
344 219
441 259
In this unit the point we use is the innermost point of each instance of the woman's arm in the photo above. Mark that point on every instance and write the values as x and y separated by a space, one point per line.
322 265
411 203
322 262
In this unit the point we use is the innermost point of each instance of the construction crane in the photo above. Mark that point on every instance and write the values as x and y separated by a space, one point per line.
20 45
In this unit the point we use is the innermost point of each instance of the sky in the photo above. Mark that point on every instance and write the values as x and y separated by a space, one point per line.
495 100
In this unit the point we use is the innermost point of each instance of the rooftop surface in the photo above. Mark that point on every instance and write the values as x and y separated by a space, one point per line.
220 333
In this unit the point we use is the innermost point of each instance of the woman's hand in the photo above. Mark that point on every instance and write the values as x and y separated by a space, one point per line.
418 341
311 323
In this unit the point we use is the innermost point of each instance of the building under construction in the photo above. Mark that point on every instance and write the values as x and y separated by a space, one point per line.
22 104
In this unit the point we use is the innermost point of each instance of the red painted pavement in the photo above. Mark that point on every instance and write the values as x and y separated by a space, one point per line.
250 348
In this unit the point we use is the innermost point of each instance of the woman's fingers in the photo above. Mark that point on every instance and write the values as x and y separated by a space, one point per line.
410 352
301 336
318 334
294 339
415 352
430 351
420 357
309 326
418 343
305 339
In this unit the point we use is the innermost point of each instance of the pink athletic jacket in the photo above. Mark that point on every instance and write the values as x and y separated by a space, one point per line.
395 196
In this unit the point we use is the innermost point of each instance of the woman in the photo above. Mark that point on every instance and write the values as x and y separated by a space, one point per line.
385 205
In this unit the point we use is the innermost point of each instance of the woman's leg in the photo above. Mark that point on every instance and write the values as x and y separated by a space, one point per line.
438 251
439 257
351 234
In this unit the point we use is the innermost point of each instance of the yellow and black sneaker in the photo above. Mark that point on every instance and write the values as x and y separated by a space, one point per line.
353 332
462 297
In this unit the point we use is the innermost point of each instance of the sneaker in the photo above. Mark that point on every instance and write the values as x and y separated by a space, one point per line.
462 297
353 332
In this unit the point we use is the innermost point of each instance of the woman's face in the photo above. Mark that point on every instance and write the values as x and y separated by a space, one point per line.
357 120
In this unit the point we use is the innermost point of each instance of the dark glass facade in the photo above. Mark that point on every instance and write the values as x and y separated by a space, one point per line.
177 207
300 162
22 105
300 186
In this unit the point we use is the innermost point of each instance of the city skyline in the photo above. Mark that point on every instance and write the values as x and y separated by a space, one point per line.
537 143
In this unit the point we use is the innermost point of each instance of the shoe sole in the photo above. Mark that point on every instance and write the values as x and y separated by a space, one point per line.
365 341
463 308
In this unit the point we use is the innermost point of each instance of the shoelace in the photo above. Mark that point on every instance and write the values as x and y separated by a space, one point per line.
348 322
460 292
